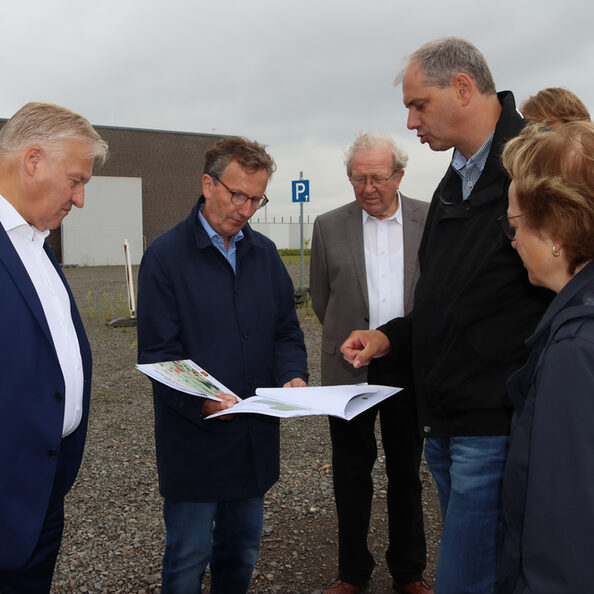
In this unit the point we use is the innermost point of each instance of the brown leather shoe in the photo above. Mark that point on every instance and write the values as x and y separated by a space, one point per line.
418 587
340 587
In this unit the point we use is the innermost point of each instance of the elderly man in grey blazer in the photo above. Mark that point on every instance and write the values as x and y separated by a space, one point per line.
363 271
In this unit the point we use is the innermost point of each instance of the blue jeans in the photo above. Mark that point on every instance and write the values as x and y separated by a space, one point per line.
468 473
225 534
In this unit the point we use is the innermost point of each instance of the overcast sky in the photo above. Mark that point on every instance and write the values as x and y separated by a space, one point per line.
301 76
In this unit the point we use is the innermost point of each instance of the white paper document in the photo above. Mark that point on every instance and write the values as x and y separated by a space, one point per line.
186 376
345 401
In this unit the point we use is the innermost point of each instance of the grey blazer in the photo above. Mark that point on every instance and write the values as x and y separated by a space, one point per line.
338 283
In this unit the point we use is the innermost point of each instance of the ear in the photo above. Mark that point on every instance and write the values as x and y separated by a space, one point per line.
207 185
463 87
398 177
31 159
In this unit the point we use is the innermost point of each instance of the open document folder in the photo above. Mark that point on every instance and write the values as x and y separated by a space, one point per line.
345 402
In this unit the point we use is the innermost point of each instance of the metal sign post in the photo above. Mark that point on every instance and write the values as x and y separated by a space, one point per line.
300 194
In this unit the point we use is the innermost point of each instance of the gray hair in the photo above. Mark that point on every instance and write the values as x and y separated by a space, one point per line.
367 141
49 125
251 155
442 59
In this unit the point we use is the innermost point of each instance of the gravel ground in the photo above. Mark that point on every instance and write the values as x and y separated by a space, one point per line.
114 533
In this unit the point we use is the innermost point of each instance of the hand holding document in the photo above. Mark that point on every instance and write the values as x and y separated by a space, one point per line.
345 402
211 406
186 376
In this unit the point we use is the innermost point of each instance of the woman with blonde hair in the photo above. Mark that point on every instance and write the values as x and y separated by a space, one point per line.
548 484
554 107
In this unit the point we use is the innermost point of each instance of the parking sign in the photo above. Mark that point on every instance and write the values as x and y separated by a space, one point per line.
300 190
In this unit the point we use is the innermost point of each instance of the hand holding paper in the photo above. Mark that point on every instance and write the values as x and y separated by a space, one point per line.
345 402
296 382
300 400
210 407
185 376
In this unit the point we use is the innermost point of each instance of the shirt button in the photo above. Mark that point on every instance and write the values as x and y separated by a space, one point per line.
427 429
245 334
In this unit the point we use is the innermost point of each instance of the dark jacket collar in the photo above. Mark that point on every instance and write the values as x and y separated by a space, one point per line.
492 183
250 237
508 126
575 300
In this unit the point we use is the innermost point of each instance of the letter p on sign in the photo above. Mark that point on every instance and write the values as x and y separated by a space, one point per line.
300 190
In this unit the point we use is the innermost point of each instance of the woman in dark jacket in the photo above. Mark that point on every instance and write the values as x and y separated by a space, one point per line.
548 485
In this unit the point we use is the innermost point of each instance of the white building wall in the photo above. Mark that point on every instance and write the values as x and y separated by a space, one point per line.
285 235
94 235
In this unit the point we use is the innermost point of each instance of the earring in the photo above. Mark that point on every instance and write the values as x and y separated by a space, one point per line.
556 252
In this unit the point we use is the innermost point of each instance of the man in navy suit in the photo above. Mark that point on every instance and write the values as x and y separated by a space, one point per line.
47 154
213 290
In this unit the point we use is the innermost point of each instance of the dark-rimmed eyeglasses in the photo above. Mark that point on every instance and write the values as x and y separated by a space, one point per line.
508 230
375 180
239 199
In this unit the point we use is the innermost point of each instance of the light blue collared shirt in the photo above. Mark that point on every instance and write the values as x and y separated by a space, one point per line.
470 170
219 243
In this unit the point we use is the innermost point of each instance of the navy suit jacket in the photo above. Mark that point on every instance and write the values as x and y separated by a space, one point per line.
31 408
243 329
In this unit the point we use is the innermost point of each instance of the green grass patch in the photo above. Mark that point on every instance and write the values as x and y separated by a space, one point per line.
112 307
297 252
295 259
294 256
105 395
305 310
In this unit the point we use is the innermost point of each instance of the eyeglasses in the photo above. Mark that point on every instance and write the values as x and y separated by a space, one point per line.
374 180
508 230
239 199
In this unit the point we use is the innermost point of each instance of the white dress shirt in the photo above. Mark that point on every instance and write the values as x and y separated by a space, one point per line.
28 242
384 264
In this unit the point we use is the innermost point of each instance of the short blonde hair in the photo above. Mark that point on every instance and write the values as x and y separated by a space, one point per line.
49 126
554 104
553 173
